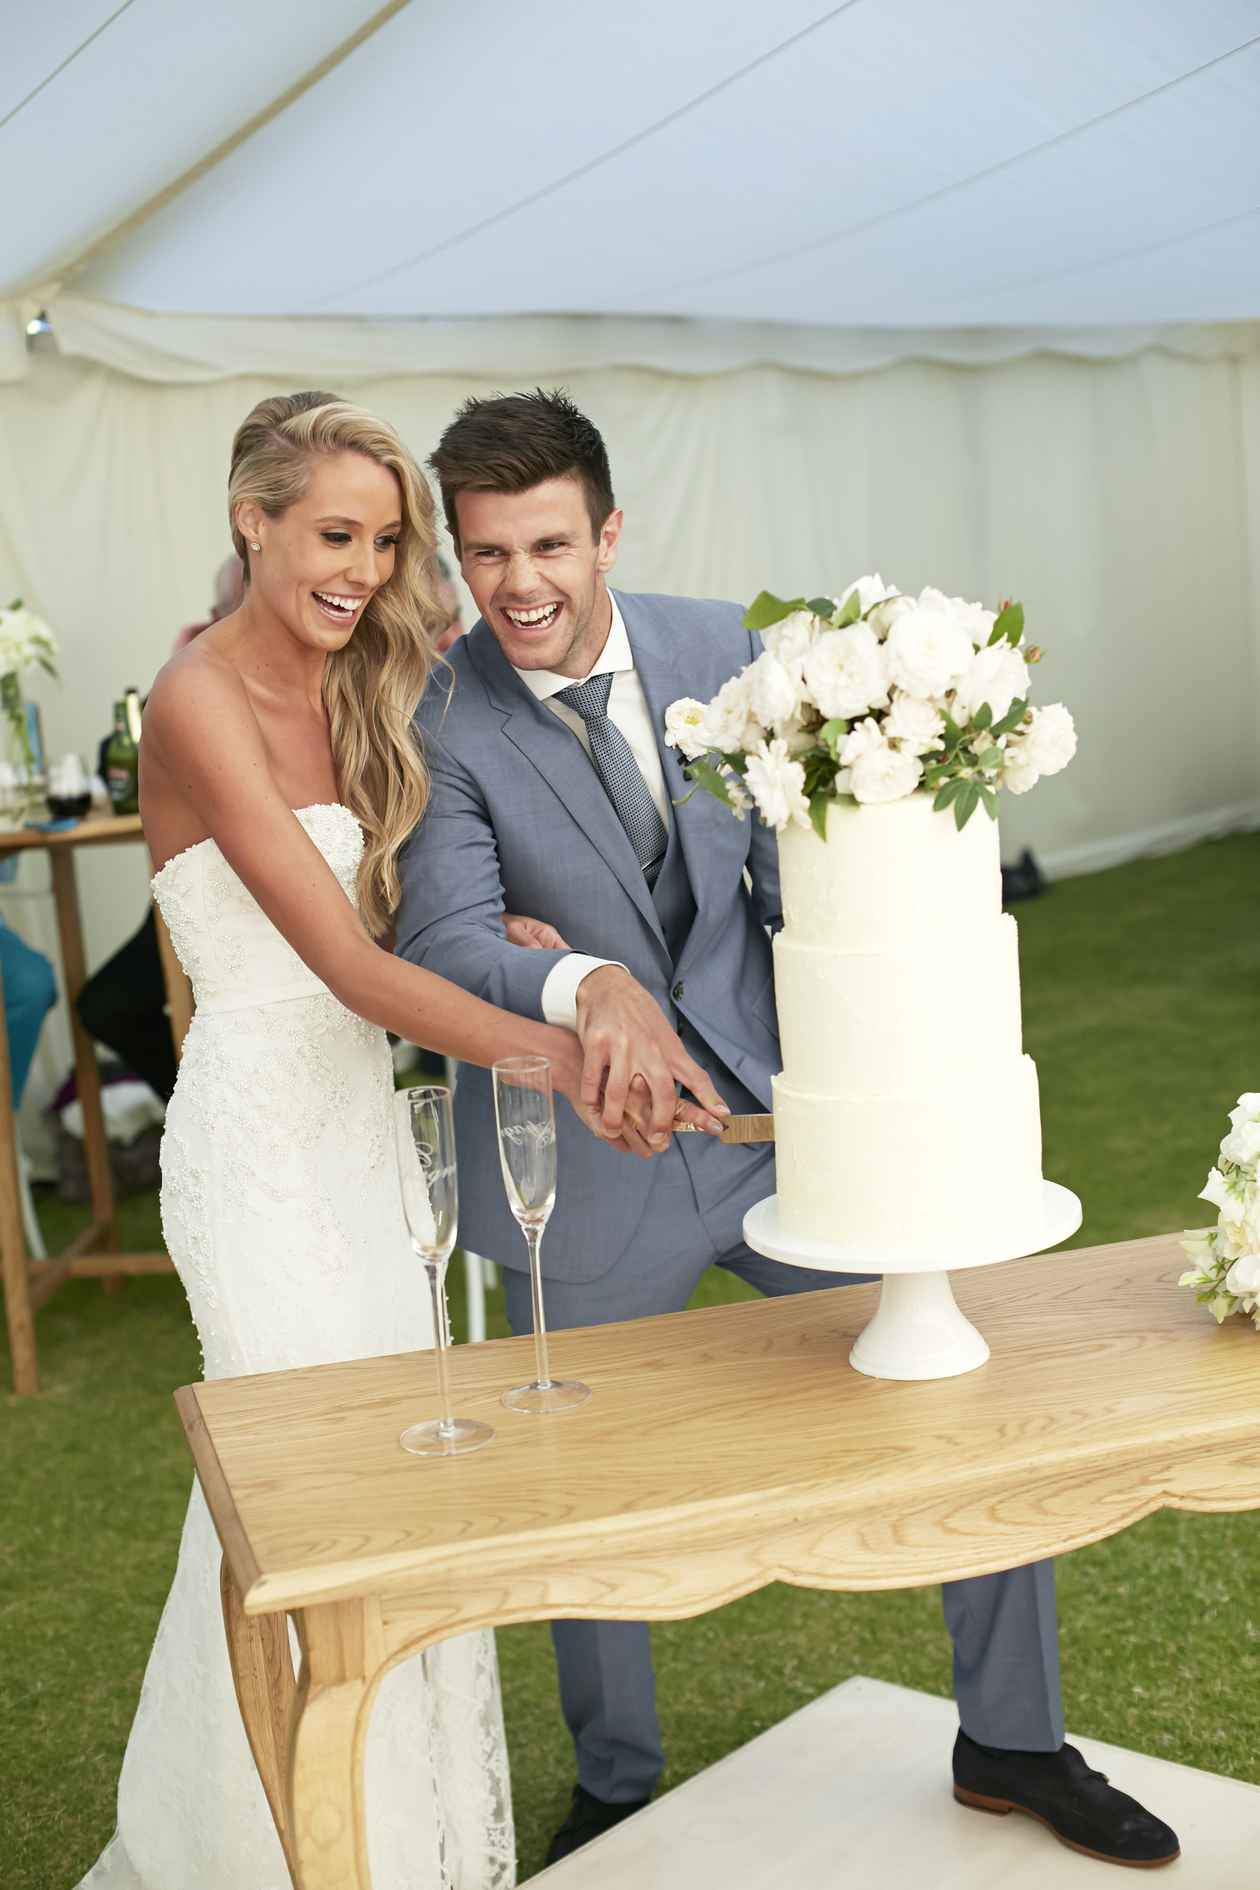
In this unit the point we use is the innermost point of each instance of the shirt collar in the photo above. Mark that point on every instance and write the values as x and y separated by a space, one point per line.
615 657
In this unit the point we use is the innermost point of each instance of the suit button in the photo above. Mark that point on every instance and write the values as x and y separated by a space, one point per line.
677 991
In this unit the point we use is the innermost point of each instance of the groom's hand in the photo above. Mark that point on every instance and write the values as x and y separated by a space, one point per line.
626 1040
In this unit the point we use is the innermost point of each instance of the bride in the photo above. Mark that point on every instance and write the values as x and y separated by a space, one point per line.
280 779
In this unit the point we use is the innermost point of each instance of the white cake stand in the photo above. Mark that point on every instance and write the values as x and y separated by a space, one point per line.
918 1330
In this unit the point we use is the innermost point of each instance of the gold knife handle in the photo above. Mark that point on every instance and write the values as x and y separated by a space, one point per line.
738 1131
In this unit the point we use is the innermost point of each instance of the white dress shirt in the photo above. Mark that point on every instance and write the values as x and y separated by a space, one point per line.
628 709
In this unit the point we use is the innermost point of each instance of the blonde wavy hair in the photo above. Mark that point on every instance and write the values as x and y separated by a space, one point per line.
372 686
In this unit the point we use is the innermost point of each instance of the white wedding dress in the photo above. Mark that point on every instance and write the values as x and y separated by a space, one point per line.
281 1211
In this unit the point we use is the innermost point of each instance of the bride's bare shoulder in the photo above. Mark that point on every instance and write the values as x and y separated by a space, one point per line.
197 684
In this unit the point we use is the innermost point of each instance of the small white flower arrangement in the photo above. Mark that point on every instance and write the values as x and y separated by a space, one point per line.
26 643
873 695
1226 1270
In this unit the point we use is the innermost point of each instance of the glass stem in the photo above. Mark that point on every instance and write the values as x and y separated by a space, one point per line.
533 1239
436 1270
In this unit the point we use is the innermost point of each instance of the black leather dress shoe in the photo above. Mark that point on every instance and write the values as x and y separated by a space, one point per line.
1059 1788
589 1817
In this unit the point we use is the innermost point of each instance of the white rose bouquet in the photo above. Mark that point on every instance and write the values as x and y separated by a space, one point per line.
1225 1273
874 695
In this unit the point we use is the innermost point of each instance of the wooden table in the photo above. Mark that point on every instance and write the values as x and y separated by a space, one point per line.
28 1283
722 1449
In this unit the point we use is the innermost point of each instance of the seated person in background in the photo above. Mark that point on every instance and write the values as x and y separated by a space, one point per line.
30 991
229 590
123 1005
451 605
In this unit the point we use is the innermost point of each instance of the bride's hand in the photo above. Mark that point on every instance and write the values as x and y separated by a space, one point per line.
535 934
636 1137
567 1063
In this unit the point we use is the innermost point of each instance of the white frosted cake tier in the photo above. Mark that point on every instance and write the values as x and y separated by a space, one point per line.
907 1119
896 1019
893 878
912 1174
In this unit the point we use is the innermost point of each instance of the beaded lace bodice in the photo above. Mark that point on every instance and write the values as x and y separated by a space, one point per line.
233 954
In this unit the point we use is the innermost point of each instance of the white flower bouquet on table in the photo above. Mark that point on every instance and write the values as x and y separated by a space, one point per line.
26 643
874 695
1226 1258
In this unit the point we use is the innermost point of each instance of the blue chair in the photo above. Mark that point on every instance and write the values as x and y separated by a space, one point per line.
28 990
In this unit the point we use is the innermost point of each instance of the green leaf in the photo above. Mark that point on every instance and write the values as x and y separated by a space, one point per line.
1012 719
950 792
821 607
996 635
766 609
1011 623
706 775
983 716
832 733
953 734
991 758
820 772
965 805
850 611
989 796
819 803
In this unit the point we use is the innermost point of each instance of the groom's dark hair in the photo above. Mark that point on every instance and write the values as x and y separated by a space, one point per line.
515 441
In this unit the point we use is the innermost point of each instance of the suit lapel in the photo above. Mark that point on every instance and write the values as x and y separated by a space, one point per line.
655 659
542 738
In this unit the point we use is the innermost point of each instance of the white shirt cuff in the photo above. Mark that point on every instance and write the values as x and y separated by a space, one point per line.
559 993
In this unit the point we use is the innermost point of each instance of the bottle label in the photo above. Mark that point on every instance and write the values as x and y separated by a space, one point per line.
121 784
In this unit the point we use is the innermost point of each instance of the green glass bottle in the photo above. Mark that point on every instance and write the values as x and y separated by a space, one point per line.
122 757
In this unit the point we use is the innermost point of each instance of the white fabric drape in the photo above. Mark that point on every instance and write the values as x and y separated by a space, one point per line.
1118 499
153 345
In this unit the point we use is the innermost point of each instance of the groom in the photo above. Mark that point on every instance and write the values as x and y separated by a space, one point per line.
554 796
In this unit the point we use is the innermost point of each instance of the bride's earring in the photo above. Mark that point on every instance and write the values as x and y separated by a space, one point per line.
253 546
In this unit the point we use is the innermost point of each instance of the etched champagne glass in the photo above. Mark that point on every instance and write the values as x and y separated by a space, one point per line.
425 1127
526 1118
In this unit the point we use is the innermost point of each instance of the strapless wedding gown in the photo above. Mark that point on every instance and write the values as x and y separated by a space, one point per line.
281 1211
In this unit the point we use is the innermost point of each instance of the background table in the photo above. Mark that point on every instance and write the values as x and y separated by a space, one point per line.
722 1449
29 1283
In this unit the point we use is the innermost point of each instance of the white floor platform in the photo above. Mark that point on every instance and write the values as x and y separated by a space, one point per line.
853 1793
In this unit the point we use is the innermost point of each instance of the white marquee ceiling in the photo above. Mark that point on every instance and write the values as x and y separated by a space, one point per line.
880 162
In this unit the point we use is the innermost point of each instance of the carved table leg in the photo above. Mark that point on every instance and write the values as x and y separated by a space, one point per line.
266 1692
340 1658
87 1075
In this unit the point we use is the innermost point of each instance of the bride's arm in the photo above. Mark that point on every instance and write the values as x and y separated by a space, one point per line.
201 736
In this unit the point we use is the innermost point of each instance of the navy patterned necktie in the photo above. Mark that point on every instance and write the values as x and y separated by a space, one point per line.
620 772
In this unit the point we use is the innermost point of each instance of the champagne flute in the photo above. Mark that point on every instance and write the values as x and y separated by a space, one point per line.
425 1128
526 1118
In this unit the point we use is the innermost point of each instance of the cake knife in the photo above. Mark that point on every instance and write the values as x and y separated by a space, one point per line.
739 1130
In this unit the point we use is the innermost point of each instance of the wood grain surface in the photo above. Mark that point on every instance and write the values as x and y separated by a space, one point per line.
93 831
732 1446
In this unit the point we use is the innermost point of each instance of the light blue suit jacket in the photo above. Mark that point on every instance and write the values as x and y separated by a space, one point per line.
519 821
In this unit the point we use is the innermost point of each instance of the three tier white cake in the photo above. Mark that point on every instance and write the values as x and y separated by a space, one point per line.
907 1117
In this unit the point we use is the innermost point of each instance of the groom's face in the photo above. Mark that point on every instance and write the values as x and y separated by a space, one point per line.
536 569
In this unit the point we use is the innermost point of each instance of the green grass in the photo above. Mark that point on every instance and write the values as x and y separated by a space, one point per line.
1142 1007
